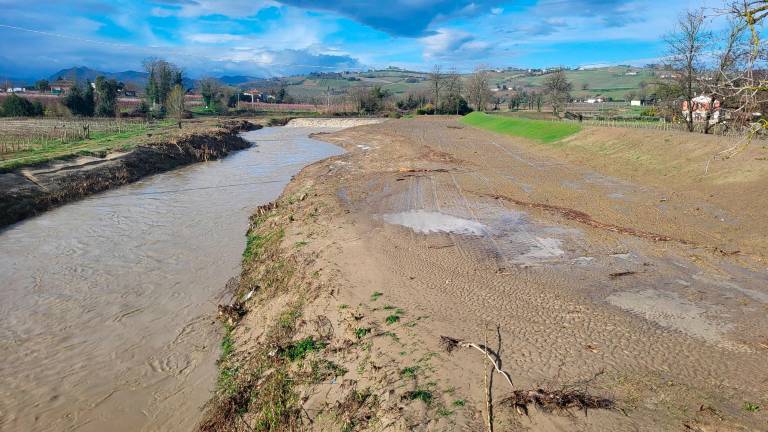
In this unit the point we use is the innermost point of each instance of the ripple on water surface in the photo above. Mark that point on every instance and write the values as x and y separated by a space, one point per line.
106 304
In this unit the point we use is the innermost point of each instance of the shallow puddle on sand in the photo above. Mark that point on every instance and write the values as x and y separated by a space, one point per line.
506 234
672 311
428 222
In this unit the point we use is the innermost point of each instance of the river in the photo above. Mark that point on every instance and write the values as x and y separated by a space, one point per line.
107 305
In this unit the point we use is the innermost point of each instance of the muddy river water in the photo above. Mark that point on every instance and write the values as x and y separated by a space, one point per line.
107 305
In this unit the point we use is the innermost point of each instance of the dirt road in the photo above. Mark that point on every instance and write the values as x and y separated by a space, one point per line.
643 288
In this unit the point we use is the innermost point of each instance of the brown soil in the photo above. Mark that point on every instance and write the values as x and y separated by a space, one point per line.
31 190
572 280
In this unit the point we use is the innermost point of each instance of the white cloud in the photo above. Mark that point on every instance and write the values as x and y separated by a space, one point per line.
213 38
197 8
451 44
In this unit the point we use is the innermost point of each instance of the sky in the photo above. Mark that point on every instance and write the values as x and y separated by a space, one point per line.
275 38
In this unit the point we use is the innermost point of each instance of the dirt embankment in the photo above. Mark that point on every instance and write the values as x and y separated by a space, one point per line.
427 229
31 190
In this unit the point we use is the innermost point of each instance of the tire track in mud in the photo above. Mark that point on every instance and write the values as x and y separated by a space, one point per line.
545 319
568 213
584 218
487 236
526 236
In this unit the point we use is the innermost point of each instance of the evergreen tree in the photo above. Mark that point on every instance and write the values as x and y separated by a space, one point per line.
80 102
106 97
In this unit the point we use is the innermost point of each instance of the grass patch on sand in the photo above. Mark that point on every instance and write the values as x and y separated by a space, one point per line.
299 350
392 319
420 394
362 332
546 132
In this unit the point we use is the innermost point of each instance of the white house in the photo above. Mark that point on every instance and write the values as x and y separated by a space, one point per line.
635 103
701 107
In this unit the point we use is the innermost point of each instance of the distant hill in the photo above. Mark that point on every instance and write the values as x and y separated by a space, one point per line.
15 81
234 80
82 74
615 82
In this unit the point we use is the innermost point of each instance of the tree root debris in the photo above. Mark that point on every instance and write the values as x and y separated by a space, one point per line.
620 274
549 401
231 314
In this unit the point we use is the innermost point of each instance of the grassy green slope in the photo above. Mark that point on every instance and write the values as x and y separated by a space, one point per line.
540 130
608 81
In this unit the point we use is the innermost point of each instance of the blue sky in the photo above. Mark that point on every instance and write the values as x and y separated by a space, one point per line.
268 38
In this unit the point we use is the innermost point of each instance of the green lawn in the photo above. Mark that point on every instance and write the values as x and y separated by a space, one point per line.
539 130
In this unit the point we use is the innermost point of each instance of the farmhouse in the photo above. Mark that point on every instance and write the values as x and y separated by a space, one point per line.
61 86
701 106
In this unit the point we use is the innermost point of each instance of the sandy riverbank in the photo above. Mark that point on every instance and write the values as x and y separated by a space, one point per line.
586 277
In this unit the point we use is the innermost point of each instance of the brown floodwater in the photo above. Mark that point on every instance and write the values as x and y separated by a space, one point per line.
107 305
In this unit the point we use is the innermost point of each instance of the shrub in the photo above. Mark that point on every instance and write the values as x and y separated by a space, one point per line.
427 110
15 106
452 105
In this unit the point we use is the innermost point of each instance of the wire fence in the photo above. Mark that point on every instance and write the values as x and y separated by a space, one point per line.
720 129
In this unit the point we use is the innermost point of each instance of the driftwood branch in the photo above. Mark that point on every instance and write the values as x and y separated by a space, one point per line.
450 344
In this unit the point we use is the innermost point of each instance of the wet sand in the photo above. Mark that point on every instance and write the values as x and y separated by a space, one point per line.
463 230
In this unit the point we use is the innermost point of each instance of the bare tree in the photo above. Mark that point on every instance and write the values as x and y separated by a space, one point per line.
162 76
478 88
686 48
175 103
436 83
453 91
752 12
358 96
557 88
721 83
751 86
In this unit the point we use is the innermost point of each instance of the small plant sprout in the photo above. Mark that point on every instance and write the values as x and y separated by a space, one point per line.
420 394
300 349
361 332
751 407
376 295
392 319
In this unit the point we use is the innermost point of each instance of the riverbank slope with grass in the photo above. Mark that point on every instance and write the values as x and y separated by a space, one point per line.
546 132
31 189
372 289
